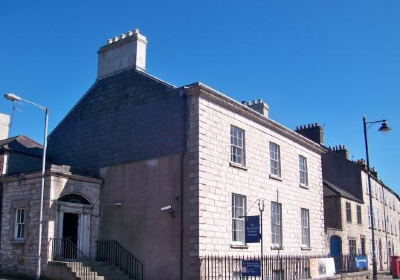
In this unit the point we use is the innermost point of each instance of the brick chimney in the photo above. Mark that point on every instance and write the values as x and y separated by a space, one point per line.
341 150
259 106
314 132
121 53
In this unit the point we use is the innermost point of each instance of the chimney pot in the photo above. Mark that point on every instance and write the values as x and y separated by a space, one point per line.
130 52
260 101
248 103
136 31
109 41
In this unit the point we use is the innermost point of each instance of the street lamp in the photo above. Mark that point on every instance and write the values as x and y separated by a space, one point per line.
13 97
384 129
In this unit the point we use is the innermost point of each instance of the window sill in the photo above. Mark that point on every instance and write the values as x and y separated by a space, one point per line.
17 241
303 186
274 177
276 247
239 246
305 248
237 165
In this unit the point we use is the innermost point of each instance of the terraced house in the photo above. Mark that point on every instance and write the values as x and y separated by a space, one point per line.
167 174
346 203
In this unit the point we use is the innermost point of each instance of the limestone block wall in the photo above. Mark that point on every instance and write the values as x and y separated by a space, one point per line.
19 257
385 202
217 180
23 191
350 230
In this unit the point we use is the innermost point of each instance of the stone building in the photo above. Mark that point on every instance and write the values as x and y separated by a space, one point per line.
20 219
346 203
184 165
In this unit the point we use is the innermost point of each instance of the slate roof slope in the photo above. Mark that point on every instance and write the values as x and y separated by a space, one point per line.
22 144
126 117
333 189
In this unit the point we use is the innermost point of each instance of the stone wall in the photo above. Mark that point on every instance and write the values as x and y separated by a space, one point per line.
216 179
23 191
384 202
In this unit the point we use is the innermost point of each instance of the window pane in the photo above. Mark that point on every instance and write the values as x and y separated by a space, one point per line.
276 224
237 145
238 212
305 227
274 159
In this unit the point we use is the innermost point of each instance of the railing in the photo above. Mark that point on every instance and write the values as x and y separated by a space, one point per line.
112 251
346 263
64 251
273 267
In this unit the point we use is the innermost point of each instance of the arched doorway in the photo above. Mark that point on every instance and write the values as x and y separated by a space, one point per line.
73 220
336 250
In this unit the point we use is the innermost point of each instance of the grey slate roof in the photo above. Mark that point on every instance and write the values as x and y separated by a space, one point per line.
22 144
332 189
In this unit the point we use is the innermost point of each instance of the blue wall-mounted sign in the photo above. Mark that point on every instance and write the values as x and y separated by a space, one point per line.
252 229
251 268
361 262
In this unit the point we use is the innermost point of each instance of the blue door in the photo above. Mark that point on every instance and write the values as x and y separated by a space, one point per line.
336 250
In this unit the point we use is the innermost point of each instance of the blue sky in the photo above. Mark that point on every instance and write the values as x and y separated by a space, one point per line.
311 61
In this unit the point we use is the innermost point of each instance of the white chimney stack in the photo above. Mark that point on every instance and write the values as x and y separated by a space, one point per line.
121 53
4 126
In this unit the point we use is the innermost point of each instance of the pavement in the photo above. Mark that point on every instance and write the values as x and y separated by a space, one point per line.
381 276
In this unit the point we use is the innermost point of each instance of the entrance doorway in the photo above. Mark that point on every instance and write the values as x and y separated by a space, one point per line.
336 251
73 222
70 232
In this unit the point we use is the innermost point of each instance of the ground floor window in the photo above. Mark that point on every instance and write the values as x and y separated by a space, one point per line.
352 247
238 213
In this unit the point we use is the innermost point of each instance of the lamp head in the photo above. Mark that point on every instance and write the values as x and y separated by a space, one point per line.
384 128
12 97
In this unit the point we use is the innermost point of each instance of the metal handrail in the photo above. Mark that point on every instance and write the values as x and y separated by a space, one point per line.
112 251
64 250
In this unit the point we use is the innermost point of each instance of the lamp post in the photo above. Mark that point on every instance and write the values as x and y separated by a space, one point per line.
384 129
13 97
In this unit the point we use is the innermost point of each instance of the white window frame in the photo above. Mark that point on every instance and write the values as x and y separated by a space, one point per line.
359 214
303 170
369 216
275 159
348 212
354 246
238 216
19 224
305 228
276 225
238 151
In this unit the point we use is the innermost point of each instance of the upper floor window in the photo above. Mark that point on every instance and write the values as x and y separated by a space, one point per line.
275 159
348 212
238 213
19 229
369 216
276 224
305 227
303 170
359 216
237 145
